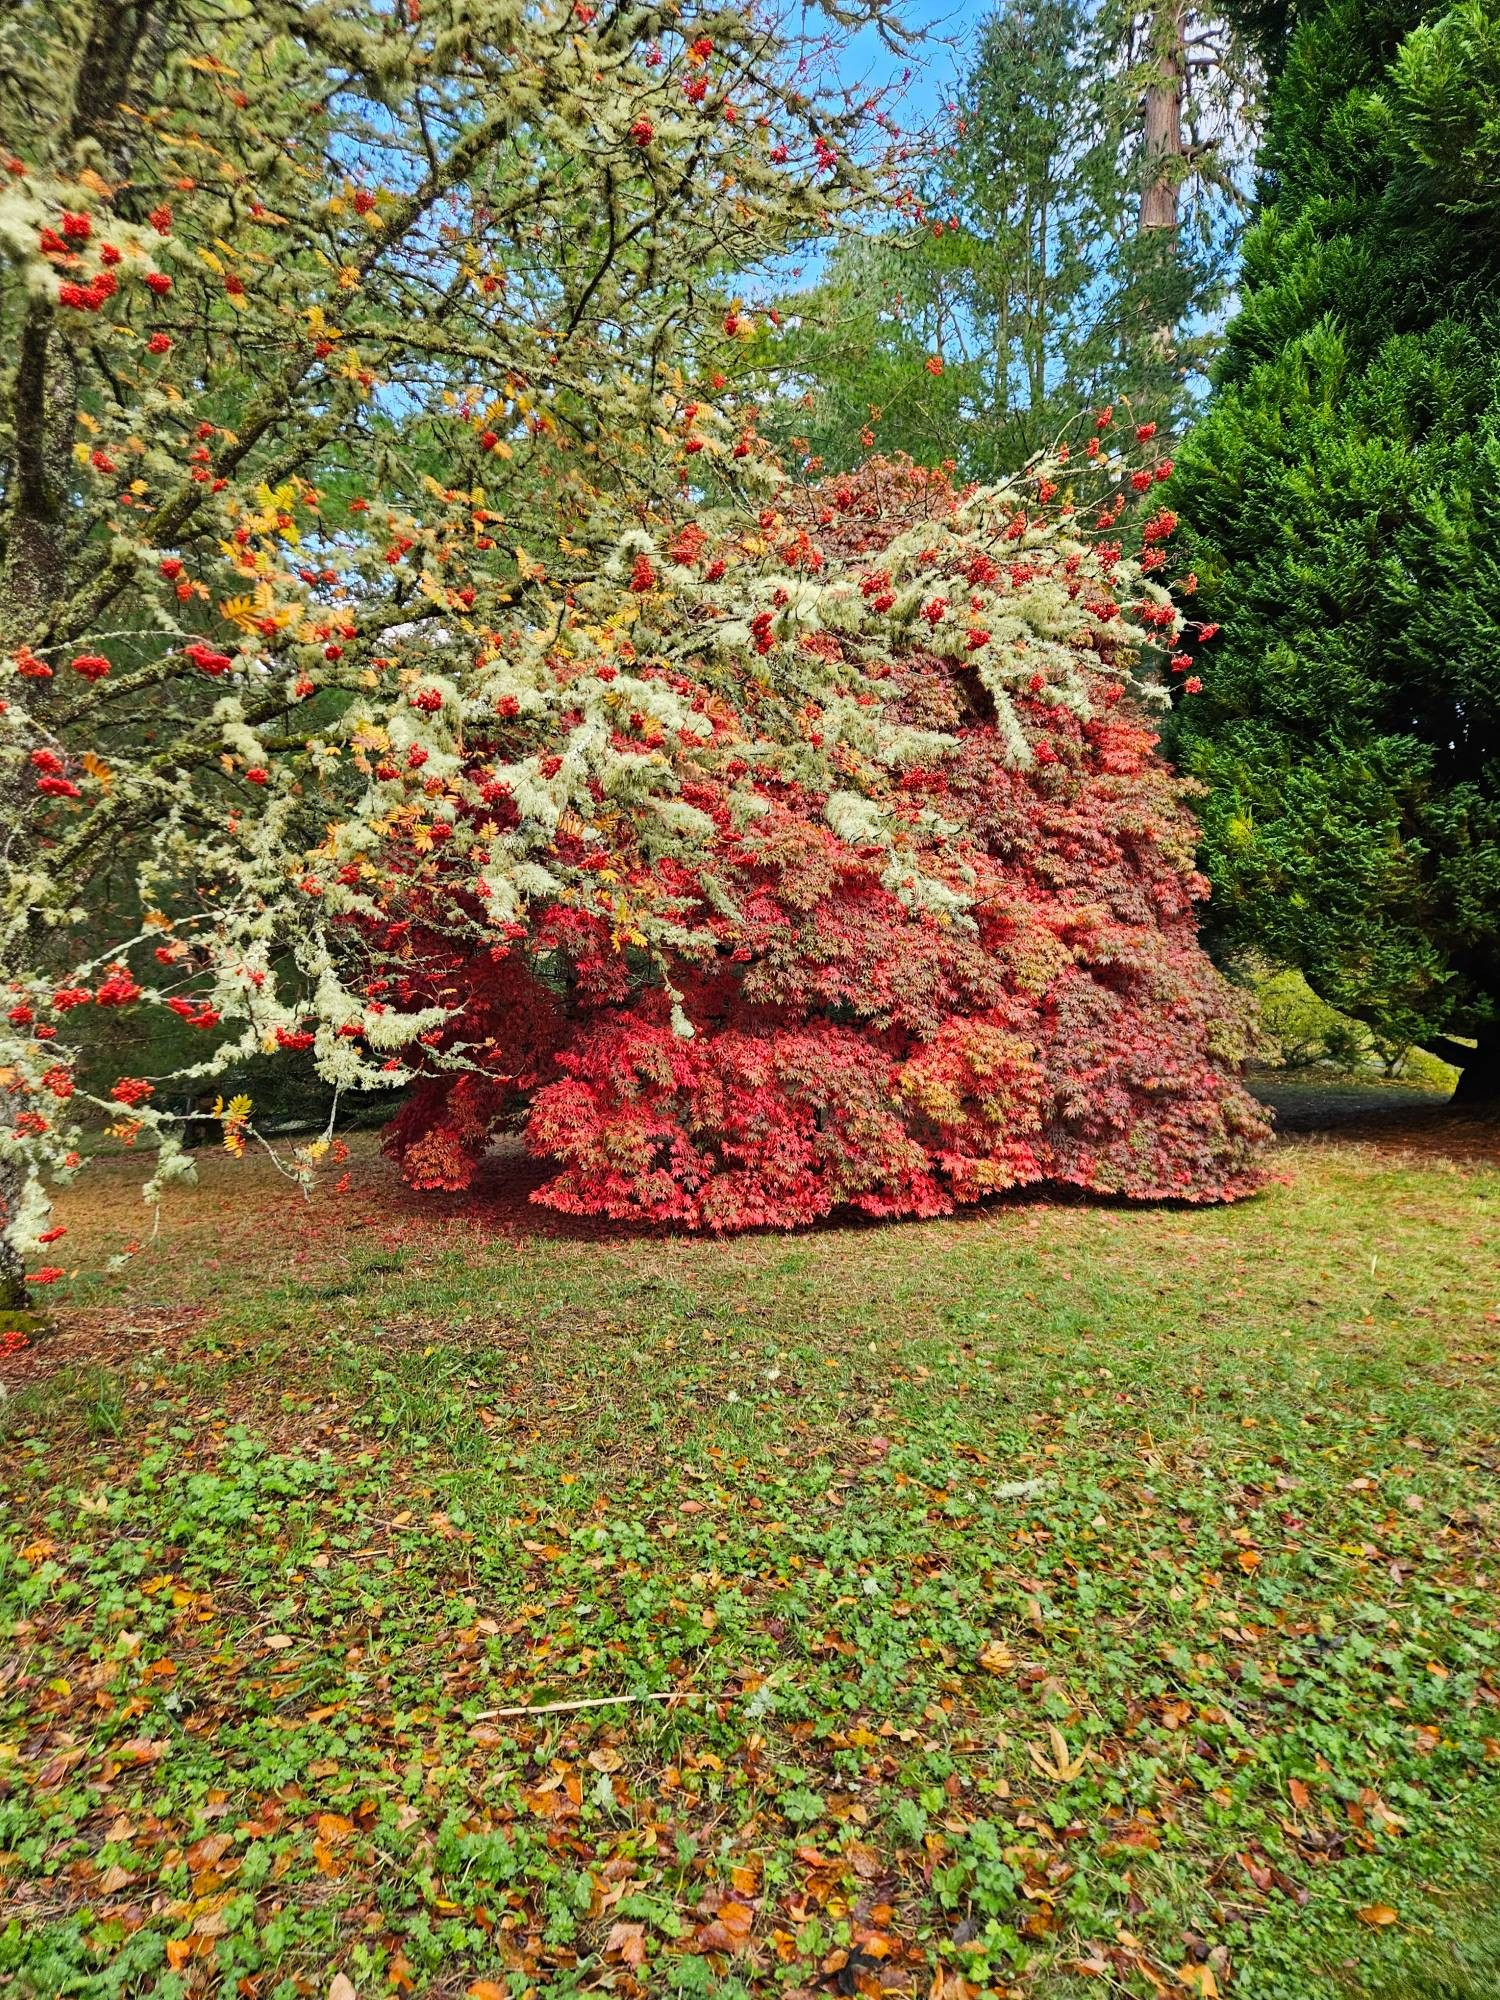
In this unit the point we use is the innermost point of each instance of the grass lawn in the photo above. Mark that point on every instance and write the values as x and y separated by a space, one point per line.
1065 1600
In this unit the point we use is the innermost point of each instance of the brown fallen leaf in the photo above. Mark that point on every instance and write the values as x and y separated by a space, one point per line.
487 1989
1298 1793
625 1941
1061 1767
204 1853
341 1987
1377 1915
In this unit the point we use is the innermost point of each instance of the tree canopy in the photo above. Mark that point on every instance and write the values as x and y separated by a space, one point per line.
1072 243
336 340
896 907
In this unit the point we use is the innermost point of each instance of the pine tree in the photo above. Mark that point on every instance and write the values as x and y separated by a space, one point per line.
1344 500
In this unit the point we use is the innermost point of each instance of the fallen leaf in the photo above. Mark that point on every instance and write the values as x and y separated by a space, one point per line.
1199 1979
1377 1915
729 1930
627 1941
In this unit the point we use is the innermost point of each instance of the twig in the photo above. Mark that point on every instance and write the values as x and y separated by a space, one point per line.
593 1701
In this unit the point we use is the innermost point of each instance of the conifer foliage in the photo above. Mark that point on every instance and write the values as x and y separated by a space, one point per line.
906 915
1343 506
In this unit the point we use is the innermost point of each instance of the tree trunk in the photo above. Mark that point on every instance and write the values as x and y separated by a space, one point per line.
1162 144
14 1297
33 583
125 37
1163 147
1478 1087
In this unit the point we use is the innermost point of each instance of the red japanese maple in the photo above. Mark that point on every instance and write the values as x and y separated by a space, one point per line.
823 1037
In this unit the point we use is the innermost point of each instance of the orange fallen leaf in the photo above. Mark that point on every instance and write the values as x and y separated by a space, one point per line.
729 1929
1377 1915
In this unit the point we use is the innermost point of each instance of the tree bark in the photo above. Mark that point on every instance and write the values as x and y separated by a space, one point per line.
14 1297
1478 1087
1163 146
45 415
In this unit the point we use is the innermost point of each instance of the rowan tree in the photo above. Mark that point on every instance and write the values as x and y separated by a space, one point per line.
334 337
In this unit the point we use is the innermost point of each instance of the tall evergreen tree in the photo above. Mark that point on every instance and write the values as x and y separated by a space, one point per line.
1344 500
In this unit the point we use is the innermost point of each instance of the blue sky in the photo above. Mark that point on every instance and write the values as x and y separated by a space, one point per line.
946 29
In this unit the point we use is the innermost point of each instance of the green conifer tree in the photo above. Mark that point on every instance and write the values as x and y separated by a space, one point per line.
1344 500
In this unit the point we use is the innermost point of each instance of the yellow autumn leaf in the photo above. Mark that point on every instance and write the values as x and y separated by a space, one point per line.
239 611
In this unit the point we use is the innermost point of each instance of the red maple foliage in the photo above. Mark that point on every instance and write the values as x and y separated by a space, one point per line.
852 1046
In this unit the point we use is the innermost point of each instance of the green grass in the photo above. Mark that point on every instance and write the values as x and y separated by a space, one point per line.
1061 1601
